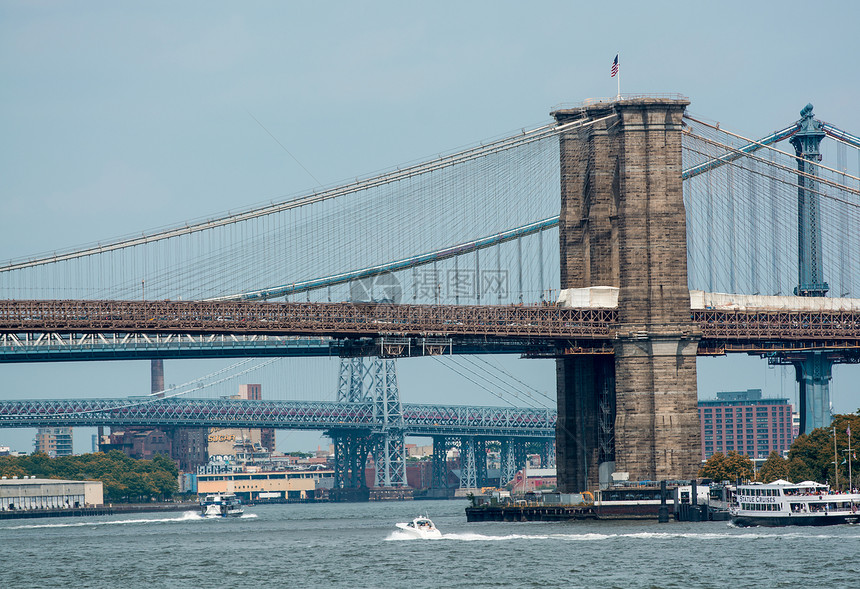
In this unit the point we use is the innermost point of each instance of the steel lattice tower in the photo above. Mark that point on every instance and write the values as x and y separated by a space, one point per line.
814 369
468 466
372 382
389 451
508 461
440 462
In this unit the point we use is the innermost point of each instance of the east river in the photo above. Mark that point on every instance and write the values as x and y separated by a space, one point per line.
356 545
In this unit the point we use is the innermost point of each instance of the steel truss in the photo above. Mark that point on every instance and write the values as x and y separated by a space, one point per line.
441 444
509 466
65 346
418 420
55 327
480 446
547 454
374 382
350 456
317 319
390 452
778 326
468 467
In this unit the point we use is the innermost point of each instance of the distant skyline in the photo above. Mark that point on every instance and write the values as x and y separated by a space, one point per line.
120 117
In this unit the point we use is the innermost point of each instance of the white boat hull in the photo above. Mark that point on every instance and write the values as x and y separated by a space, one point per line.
422 533
782 503
795 520
215 511
217 505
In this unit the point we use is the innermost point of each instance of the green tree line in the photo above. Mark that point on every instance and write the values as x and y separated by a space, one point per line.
124 478
810 458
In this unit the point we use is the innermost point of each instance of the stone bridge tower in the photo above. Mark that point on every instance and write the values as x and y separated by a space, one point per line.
623 225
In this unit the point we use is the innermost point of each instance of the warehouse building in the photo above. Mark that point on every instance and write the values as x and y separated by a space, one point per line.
254 486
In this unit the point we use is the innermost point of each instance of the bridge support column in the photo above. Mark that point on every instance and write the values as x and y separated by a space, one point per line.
350 456
623 224
581 444
813 374
481 462
440 462
376 383
657 425
468 466
508 461
547 455
390 449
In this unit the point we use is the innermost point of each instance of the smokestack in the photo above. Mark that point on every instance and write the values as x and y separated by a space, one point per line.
157 376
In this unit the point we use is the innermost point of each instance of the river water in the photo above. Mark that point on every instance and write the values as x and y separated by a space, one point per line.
356 545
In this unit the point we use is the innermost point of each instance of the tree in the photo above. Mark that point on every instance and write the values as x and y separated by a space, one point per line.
38 464
113 489
162 463
9 467
812 456
774 468
721 467
798 470
166 485
124 478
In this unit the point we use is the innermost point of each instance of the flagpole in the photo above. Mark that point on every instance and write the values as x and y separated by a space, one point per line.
850 480
835 460
619 76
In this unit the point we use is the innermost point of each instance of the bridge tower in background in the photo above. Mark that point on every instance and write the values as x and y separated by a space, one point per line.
370 382
622 224
813 369
390 449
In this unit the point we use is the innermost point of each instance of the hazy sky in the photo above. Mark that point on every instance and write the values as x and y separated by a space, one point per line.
117 117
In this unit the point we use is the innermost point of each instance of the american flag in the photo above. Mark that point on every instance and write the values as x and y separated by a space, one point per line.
848 431
614 69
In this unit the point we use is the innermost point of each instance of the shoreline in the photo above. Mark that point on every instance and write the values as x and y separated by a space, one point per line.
109 509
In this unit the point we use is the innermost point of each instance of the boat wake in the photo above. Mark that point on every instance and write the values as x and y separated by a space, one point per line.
591 537
185 517
399 536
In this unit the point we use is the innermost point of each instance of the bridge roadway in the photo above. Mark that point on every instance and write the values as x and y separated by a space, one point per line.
40 330
418 420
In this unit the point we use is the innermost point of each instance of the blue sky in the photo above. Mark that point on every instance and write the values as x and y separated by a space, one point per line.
121 117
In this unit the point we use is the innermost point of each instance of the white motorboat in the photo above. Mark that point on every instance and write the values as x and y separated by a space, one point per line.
787 504
221 505
421 527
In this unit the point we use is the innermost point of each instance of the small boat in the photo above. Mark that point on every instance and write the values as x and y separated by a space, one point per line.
421 527
221 505
788 504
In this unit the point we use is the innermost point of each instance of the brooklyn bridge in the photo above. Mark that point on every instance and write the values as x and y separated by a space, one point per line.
676 239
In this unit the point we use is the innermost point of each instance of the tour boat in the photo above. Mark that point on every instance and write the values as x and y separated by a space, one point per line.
781 503
221 505
421 527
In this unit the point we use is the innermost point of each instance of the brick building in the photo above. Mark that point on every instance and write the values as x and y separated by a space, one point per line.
746 423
